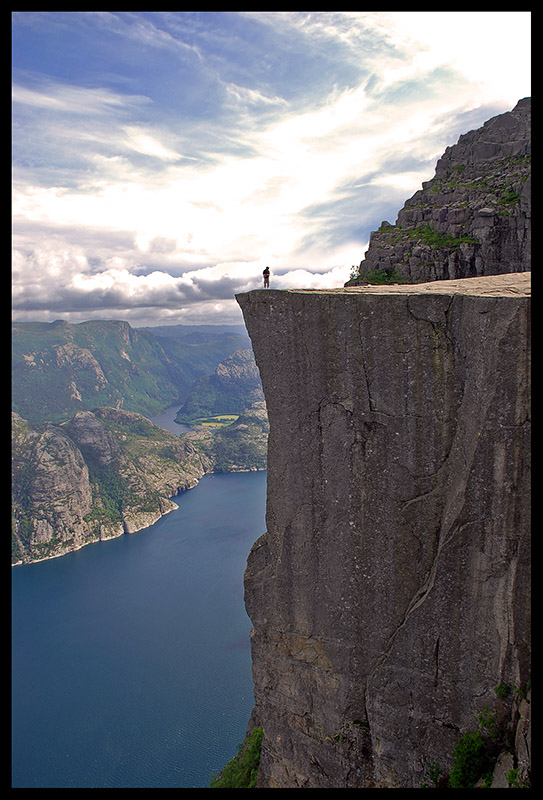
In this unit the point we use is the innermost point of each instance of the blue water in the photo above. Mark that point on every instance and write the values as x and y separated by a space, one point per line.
131 662
166 420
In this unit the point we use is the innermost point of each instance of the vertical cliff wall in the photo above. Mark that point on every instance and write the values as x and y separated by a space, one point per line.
390 594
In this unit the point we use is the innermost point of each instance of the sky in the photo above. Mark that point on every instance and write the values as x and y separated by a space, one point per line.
160 160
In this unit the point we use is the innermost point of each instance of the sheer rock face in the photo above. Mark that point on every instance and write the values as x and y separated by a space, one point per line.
473 218
390 593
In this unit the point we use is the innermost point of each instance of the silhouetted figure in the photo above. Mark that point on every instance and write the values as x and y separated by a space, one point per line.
266 274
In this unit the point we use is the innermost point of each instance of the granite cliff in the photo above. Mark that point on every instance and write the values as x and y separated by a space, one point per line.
472 218
390 593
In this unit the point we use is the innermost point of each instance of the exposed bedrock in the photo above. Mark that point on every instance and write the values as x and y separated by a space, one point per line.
472 218
390 594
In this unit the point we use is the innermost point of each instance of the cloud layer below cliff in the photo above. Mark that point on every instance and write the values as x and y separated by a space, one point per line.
162 159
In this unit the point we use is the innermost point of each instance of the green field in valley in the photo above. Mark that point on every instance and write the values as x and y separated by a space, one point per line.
218 421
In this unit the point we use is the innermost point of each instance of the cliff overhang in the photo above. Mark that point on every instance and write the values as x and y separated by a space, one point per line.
390 594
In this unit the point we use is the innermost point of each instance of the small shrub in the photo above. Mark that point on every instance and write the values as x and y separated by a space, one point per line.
487 722
381 275
470 760
514 781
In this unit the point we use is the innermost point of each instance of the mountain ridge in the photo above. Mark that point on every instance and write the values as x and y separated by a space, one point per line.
472 218
60 368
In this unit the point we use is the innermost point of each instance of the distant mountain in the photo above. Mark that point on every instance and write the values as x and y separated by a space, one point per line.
59 368
182 331
86 463
238 447
233 385
199 348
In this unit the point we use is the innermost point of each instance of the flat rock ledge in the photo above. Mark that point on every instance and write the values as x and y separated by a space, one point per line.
486 285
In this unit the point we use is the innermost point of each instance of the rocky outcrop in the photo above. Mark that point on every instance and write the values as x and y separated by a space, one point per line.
472 218
51 491
390 594
102 474
238 447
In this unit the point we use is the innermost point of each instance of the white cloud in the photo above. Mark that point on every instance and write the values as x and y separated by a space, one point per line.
73 100
490 48
243 96
297 278
130 200
148 144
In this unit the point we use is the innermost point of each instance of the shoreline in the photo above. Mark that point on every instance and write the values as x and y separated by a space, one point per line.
136 530
167 417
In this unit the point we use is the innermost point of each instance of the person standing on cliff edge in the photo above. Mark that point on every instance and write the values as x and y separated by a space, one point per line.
266 274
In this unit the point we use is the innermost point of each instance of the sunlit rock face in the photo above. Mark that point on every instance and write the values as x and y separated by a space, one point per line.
390 593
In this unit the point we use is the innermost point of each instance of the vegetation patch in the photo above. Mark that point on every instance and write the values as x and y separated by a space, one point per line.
242 771
509 198
219 421
111 491
430 236
477 751
381 276
471 760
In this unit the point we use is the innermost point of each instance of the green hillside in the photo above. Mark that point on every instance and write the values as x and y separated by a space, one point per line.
60 368
231 387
